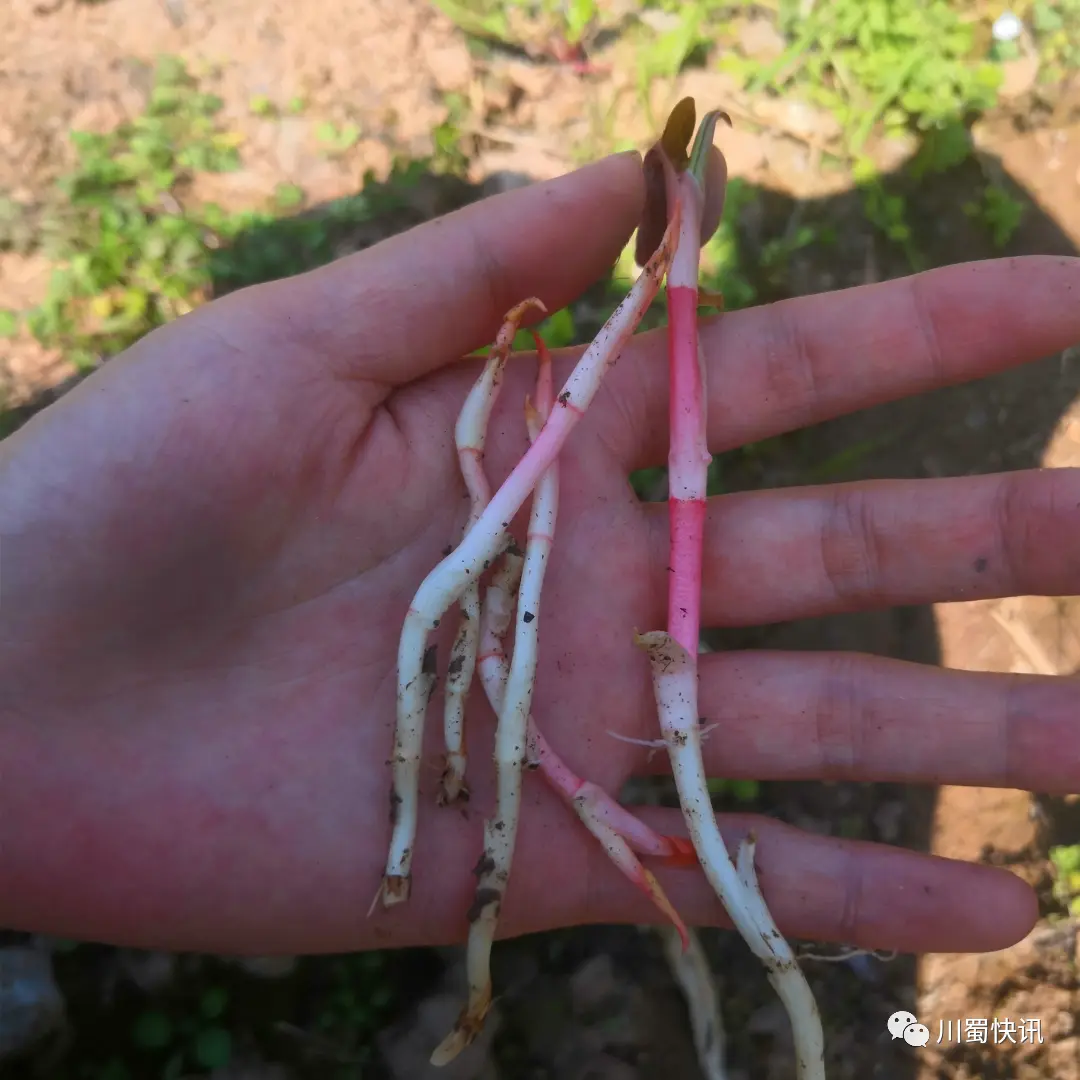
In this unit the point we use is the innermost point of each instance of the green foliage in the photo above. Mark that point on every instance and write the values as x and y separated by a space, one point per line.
886 211
664 55
132 251
213 1002
723 263
212 1048
1055 25
189 1038
901 62
744 791
261 105
1065 862
152 1031
129 256
998 212
357 1002
336 140
517 22
449 155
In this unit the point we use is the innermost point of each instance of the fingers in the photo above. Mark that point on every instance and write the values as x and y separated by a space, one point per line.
782 366
844 716
874 544
424 298
826 889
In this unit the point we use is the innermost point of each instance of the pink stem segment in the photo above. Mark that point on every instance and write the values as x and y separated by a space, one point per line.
687 513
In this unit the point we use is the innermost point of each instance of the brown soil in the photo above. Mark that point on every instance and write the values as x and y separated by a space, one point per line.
601 1003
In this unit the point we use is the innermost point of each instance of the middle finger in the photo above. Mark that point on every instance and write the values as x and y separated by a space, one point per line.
783 366
794 553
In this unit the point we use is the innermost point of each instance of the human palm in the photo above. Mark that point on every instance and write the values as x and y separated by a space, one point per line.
209 547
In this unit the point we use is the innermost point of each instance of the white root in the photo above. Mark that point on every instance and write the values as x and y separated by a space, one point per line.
673 654
452 576
470 434
500 832
690 966
617 830
674 683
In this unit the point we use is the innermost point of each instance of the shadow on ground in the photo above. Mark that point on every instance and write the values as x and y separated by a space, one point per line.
314 1019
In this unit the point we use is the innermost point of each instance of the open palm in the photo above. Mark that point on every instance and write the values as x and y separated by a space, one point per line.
208 549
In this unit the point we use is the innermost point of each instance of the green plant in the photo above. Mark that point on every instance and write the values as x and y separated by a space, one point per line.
1065 863
132 249
998 212
261 105
886 211
744 791
356 1003
336 140
903 63
194 1038
449 155
1056 28
129 256
524 22
664 55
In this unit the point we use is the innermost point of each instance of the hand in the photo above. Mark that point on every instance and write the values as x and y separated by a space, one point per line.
209 546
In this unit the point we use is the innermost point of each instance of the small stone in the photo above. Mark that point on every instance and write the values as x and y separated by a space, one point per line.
771 1020
31 1005
149 971
593 985
887 820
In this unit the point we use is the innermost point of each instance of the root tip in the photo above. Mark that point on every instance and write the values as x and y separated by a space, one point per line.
469 1024
682 853
452 787
395 889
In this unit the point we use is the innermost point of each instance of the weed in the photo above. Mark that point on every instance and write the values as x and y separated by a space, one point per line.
525 23
336 140
902 63
129 256
998 212
743 791
886 211
1065 862
261 105
131 249
450 156
1055 25
665 54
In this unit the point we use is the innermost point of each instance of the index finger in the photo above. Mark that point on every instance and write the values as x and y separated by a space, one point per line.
782 366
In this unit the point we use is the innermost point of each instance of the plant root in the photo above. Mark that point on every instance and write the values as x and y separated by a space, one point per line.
470 435
452 576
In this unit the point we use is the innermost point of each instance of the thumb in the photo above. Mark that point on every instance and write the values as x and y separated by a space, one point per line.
424 298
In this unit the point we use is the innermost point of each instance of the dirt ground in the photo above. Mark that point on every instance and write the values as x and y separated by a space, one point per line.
602 1003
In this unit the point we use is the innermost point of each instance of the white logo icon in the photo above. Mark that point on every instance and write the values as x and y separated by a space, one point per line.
904 1025
916 1034
899 1021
